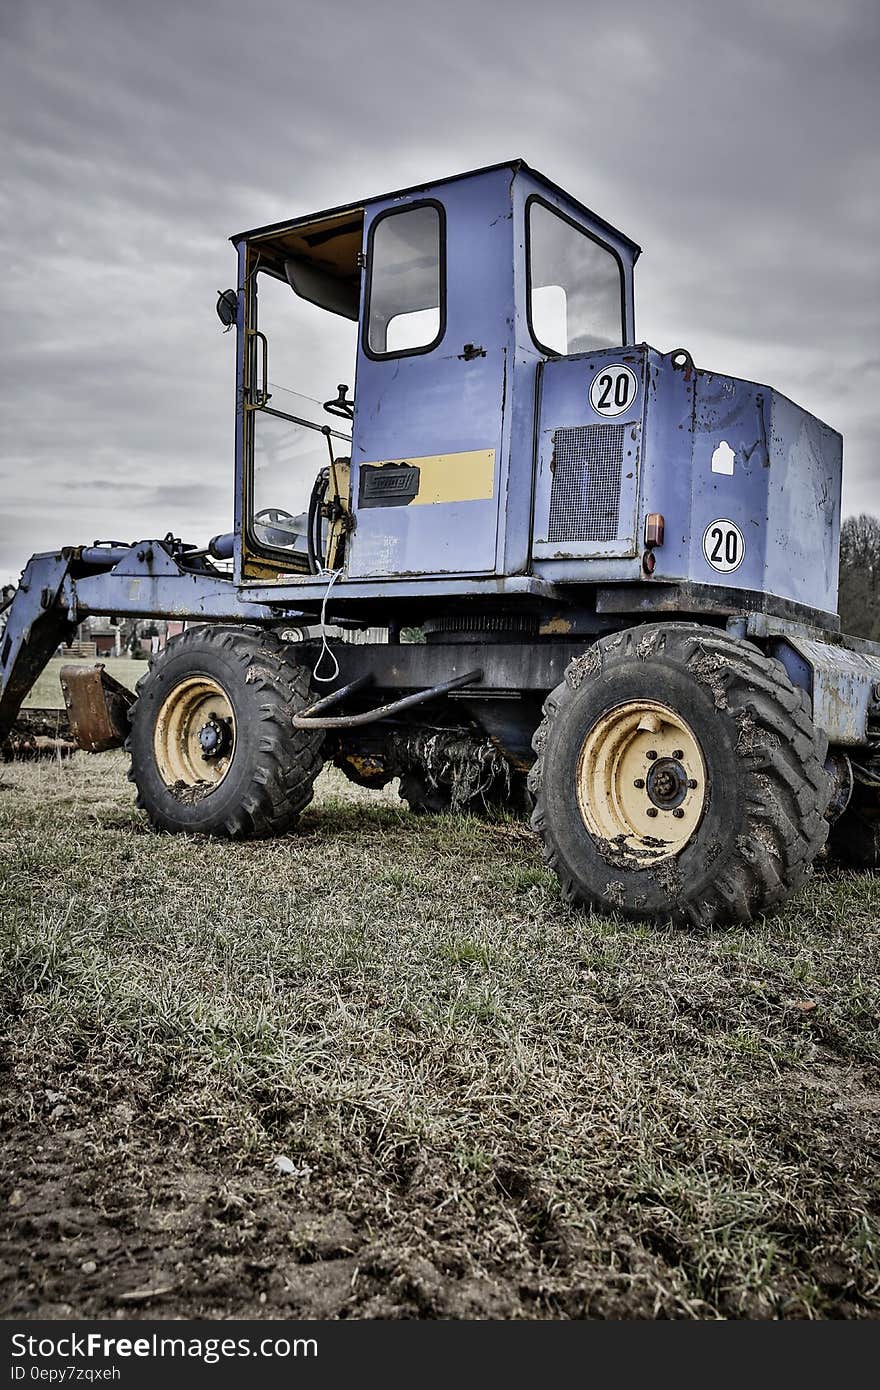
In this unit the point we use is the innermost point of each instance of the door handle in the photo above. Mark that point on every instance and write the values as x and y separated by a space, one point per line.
261 392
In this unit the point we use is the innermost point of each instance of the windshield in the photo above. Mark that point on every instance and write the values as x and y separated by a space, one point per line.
575 286
290 449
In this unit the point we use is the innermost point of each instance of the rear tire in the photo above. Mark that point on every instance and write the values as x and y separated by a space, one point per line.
240 686
735 818
423 797
855 838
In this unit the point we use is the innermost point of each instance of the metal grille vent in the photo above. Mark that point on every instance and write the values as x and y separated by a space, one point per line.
585 497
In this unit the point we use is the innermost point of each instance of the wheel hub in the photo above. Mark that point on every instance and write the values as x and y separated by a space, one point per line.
194 735
667 783
215 737
641 781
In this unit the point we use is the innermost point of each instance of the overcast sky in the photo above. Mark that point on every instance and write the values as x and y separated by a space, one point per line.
736 142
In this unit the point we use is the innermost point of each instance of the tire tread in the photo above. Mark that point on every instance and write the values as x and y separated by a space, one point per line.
782 760
281 786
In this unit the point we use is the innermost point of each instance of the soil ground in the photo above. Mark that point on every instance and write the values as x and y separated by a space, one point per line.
379 1069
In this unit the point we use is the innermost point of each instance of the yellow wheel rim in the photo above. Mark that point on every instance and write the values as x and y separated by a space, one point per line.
194 737
641 781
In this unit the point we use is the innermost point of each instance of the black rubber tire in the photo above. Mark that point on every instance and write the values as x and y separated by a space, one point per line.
274 766
855 838
763 823
422 798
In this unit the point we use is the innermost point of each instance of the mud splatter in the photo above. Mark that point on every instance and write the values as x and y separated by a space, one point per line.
258 673
668 874
649 643
708 669
590 664
622 855
189 794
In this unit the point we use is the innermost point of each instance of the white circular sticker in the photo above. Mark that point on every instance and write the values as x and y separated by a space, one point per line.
724 545
613 390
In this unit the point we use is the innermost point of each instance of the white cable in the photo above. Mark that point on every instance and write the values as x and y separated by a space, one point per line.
325 646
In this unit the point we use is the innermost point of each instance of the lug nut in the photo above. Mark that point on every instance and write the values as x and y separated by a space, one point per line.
651 811
678 753
639 782
678 813
651 754
692 783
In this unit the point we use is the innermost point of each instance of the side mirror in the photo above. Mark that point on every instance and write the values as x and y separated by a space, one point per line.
227 307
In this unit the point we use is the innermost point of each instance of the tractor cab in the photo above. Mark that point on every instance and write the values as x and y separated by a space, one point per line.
434 308
497 428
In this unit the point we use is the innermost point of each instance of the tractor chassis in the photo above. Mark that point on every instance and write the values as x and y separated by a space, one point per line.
549 627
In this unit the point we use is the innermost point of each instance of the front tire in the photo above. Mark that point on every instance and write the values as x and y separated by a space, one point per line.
679 777
211 743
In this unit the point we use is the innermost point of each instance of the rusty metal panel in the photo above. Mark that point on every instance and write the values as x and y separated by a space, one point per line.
846 688
97 706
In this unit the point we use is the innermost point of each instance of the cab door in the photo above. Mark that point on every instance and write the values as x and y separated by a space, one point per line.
427 432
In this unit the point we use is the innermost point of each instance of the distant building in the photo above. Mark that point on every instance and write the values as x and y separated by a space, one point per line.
154 634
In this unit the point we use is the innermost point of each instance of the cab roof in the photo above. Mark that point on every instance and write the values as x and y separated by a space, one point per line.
354 208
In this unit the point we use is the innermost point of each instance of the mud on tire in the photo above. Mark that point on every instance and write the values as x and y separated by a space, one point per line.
271 766
761 822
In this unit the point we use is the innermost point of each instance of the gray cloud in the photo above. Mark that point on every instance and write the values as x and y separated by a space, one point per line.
736 143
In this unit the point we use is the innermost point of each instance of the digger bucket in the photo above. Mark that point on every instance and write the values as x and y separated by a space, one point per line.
97 707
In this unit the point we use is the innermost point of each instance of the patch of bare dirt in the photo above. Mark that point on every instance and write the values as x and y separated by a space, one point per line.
95 1226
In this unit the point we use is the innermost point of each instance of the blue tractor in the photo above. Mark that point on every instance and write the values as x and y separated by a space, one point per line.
621 570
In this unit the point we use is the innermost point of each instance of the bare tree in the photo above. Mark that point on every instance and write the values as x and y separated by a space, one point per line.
860 576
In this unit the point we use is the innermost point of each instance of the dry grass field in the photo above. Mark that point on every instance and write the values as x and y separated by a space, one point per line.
378 1069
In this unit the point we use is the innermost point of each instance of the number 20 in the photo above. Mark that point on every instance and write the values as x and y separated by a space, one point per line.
730 543
620 386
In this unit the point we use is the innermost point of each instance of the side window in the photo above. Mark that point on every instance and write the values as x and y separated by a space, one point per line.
575 286
406 282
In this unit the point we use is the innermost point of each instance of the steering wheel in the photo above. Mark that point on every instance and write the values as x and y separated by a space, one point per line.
278 527
340 405
273 516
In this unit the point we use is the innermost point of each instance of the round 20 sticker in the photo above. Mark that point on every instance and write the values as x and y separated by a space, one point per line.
724 545
613 389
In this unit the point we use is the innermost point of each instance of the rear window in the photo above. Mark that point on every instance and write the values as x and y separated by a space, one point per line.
406 282
575 286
